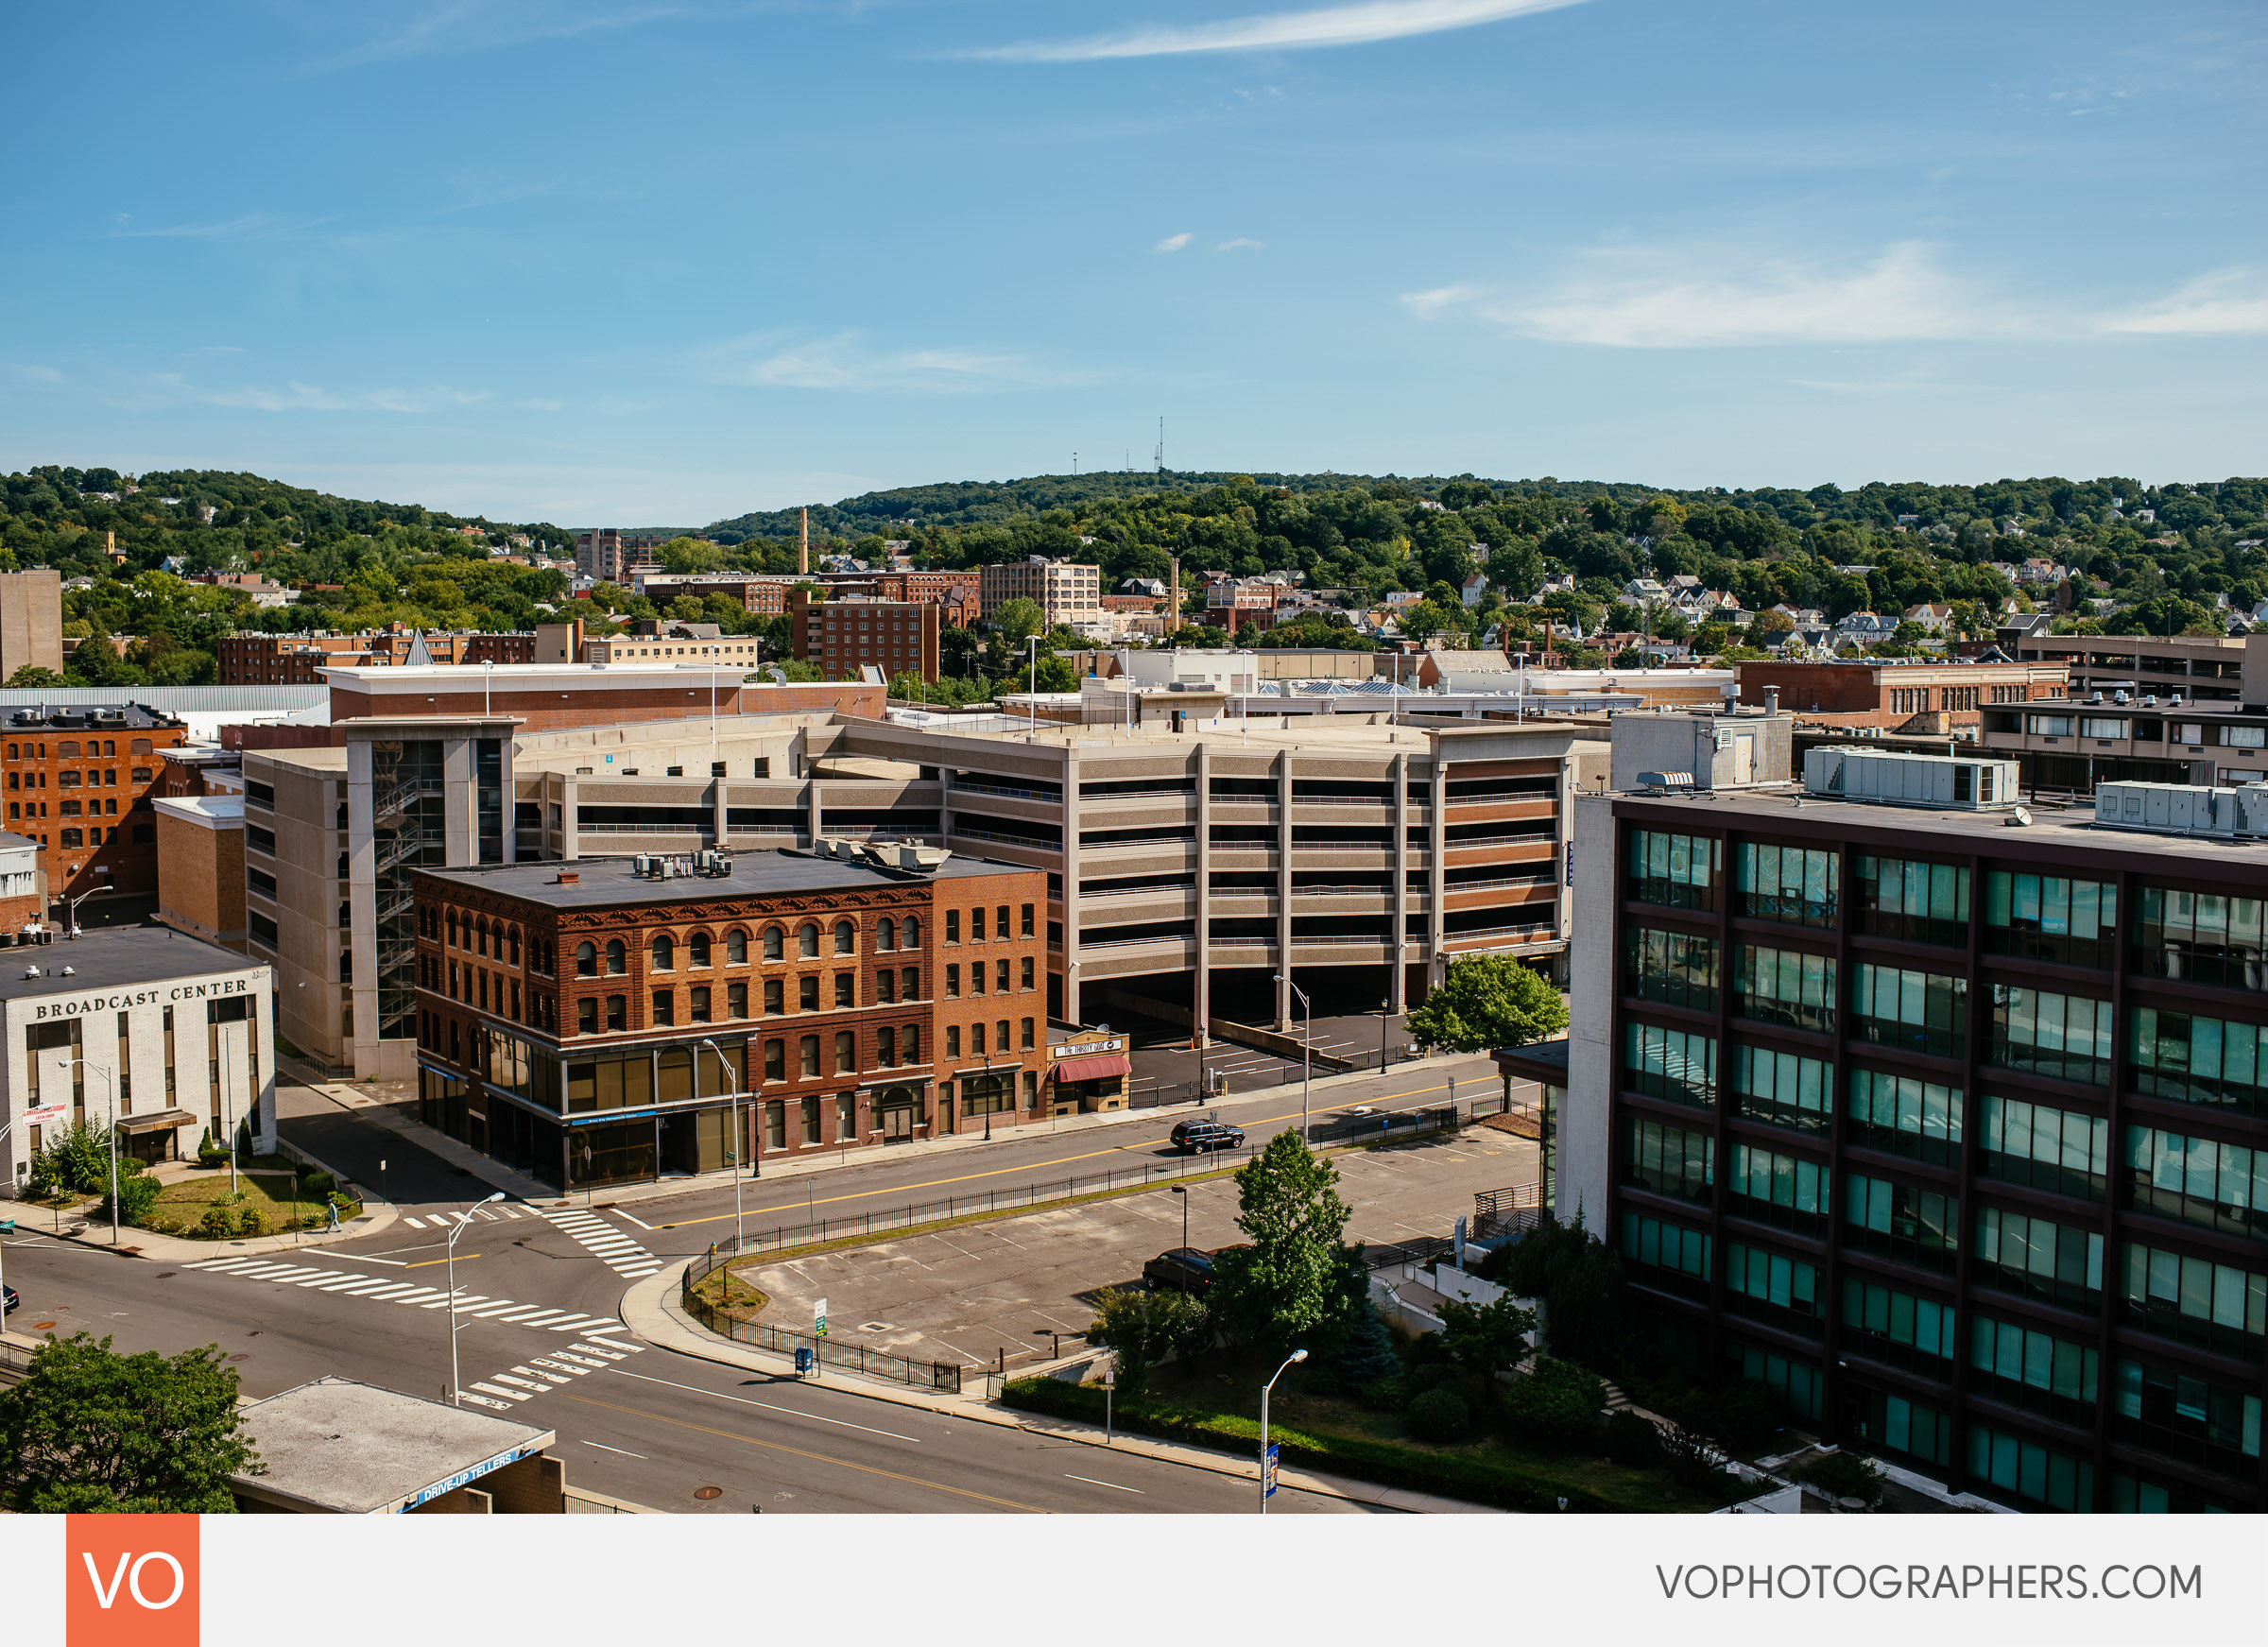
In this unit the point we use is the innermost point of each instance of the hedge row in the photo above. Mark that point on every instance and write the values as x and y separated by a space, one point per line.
1481 1481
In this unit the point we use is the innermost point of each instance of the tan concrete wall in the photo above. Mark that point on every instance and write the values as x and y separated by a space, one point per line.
32 621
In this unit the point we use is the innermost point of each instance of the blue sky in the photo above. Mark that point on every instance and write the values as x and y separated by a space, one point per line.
656 263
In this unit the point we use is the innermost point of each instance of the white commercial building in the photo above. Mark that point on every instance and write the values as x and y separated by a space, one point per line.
169 1035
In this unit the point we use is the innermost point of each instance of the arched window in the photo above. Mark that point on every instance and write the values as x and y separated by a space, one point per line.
807 939
846 1051
586 959
736 946
515 941
480 932
911 932
618 959
846 937
110 748
70 837
775 943
911 1042
453 929
810 1051
67 749
698 944
886 933
665 951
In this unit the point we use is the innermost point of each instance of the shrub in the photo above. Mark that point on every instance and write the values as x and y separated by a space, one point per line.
75 1161
1845 1475
1429 1376
251 1222
137 1194
218 1222
340 1199
1439 1416
1632 1441
1694 1460
1579 1280
1390 1394
318 1184
1556 1404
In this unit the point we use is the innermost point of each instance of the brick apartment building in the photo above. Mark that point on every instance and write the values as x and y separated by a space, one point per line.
249 657
1916 698
78 781
591 1021
1949 1126
22 882
769 595
841 635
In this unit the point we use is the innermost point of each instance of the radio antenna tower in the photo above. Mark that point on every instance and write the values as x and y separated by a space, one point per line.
1159 457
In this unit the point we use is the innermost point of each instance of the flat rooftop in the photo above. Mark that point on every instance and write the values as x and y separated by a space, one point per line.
2060 829
609 882
356 1450
112 957
1319 734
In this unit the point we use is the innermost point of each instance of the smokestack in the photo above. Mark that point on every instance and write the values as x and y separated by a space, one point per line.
1173 608
1771 700
803 553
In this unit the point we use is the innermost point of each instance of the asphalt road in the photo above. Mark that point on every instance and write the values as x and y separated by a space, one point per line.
537 1326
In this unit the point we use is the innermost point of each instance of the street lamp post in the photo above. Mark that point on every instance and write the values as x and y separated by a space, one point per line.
727 1066
1307 1049
110 1086
1385 1021
1296 1355
1183 1190
463 1219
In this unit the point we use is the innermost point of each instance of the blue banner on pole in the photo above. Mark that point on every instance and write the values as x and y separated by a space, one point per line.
1270 1491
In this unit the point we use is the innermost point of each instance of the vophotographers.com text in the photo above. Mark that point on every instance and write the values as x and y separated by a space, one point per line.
1913 1580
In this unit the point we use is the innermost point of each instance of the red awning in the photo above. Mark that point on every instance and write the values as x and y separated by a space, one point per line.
1094 1069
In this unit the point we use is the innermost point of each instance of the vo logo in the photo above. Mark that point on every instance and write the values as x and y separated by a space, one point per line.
132 1581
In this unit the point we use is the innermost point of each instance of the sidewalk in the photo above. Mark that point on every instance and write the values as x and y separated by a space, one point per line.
395 1117
651 1310
83 1227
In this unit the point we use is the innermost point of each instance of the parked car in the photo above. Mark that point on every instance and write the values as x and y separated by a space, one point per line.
11 1302
1185 1269
1199 1137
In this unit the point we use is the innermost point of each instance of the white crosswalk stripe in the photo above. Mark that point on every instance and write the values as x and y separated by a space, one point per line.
539 1373
545 1317
606 1243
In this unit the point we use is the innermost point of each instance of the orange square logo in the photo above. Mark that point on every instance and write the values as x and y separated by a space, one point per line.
131 1581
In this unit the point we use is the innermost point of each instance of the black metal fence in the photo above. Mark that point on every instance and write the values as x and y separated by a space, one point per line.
1509 1212
829 1352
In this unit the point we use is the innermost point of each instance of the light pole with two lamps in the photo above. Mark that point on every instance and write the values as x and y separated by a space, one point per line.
463 1221
1267 1483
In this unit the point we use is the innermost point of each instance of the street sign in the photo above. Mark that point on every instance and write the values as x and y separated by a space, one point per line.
41 1114
819 1320
1269 1468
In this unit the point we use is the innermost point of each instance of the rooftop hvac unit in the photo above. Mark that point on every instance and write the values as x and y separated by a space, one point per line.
1888 778
2182 809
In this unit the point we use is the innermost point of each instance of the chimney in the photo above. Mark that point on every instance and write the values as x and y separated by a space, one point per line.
570 877
803 552
1771 700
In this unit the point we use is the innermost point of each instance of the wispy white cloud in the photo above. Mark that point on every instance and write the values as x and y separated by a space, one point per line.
1902 295
844 362
1239 246
33 373
1358 25
1172 243
247 226
175 389
447 27
2229 302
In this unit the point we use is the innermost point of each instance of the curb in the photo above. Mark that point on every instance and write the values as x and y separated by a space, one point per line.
649 1309
149 1244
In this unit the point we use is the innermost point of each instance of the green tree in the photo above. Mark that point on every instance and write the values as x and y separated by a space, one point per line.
1487 1338
1143 1328
1487 1002
32 675
1288 1286
1366 1351
91 1430
1018 621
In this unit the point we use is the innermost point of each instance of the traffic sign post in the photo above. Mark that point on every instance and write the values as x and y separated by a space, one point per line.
819 1320
1109 1390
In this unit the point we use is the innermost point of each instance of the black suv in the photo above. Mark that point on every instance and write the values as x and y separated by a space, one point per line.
1186 1269
1197 1137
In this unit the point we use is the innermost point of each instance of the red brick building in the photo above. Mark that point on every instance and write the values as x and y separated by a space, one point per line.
841 635
1918 697
573 1017
78 781
248 658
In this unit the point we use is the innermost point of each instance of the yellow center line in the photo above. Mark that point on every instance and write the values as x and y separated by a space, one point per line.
999 1172
820 1457
428 1263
